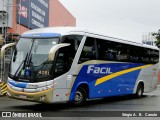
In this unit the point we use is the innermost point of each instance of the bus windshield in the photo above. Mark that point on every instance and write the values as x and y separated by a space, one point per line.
30 59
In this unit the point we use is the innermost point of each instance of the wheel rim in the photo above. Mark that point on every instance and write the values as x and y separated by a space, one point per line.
78 97
140 92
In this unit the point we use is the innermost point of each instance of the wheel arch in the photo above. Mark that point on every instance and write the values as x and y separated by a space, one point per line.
139 82
85 85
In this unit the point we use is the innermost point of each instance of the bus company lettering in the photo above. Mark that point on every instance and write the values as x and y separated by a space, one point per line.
98 70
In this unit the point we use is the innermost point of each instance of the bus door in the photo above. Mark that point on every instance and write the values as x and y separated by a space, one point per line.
62 62
65 57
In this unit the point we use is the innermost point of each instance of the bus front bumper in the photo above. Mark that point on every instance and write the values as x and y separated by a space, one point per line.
43 96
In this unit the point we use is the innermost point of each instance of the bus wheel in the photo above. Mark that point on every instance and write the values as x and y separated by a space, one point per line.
139 92
80 97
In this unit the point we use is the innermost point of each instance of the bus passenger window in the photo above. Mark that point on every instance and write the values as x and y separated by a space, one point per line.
107 50
89 51
65 56
74 41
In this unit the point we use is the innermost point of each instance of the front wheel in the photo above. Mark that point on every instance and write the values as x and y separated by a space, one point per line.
139 92
80 97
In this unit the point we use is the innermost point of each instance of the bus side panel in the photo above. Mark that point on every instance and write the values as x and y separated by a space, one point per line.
145 76
155 73
150 78
119 85
60 95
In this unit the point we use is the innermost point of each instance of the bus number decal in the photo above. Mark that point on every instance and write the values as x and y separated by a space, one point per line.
44 72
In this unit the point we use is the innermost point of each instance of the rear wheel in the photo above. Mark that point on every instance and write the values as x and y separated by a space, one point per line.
80 96
139 91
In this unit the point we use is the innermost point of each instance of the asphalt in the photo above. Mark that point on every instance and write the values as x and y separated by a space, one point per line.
110 108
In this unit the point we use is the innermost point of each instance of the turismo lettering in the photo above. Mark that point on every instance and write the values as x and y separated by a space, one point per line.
98 70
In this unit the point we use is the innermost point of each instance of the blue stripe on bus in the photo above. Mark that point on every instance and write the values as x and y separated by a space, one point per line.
41 35
18 84
120 85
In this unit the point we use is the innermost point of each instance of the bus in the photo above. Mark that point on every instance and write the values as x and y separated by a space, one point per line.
69 64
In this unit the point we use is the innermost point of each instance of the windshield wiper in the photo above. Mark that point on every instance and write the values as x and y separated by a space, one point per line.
20 66
26 61
29 60
30 55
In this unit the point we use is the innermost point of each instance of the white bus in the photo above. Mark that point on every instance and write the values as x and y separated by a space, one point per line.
60 64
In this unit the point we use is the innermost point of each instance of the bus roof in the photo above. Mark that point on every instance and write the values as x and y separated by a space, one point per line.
61 31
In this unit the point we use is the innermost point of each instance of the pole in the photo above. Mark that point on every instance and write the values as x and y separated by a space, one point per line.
19 19
3 21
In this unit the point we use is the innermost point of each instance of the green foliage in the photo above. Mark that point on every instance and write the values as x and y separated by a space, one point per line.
157 35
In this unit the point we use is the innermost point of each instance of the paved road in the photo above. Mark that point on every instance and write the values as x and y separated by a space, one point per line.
150 102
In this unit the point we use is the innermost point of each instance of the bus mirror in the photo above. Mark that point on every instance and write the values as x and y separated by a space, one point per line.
4 48
54 49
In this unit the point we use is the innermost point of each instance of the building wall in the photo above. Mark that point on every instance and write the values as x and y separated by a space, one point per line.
58 16
16 28
61 16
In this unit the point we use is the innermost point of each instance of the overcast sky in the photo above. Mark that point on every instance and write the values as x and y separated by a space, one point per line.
126 19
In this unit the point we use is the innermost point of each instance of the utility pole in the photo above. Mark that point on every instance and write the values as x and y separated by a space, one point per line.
4 24
4 18
3 36
5 57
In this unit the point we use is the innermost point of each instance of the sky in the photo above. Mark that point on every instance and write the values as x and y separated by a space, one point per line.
125 19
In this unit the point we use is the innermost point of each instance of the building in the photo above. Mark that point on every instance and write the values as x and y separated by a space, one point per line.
18 16
148 38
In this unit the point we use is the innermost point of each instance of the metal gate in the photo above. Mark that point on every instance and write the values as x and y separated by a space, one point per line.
4 68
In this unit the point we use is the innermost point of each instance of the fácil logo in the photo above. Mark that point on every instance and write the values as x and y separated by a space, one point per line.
99 70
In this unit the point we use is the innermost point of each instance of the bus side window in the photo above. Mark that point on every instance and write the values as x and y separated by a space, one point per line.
65 56
62 62
155 56
107 50
89 51
74 41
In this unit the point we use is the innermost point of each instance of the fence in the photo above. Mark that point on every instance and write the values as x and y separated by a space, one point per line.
4 68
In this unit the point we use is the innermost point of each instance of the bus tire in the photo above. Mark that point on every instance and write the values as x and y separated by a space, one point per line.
139 91
80 96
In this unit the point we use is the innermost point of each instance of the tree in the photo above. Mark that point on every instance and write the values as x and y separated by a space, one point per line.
157 35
